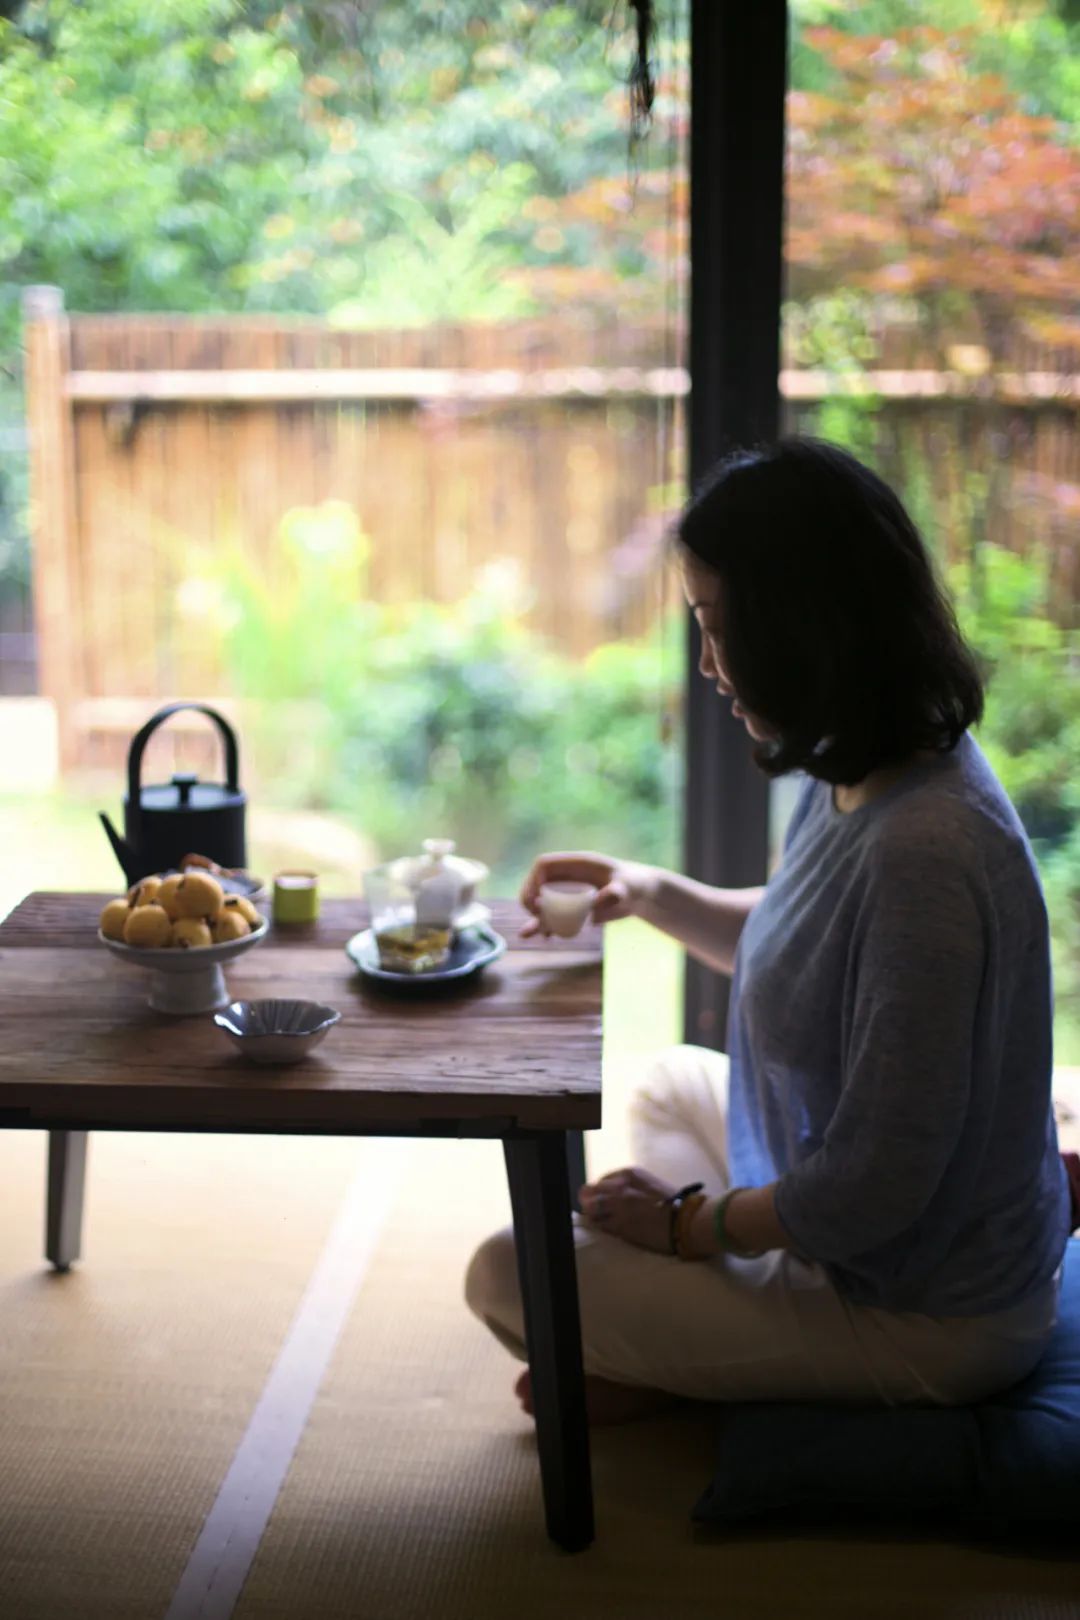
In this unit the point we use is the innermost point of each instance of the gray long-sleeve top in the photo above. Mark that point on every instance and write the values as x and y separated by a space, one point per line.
890 1041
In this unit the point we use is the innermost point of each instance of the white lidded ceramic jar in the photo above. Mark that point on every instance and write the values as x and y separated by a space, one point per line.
443 882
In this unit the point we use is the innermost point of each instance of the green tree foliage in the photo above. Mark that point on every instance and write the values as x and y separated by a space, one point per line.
1031 730
368 161
417 160
1030 44
915 174
378 164
1031 734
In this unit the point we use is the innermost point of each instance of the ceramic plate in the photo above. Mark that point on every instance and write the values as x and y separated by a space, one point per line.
472 950
476 915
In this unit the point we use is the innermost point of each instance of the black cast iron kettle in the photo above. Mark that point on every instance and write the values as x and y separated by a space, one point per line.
168 820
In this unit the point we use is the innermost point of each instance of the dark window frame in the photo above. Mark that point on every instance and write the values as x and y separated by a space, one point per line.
738 84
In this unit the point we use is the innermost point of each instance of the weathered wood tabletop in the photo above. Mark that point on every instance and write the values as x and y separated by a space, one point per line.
80 1048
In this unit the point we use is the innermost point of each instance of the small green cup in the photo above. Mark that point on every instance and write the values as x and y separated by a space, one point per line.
296 897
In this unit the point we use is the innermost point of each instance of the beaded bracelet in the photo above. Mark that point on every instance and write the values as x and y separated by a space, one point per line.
675 1203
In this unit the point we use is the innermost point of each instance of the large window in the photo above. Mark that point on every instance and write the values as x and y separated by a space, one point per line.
403 304
933 171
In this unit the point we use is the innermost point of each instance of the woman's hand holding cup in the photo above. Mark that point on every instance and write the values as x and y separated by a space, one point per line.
606 890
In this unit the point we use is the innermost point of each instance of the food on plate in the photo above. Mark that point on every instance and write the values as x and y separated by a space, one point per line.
113 918
229 925
147 927
190 933
205 863
199 895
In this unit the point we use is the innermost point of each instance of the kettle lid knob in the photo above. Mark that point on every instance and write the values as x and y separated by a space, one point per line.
184 781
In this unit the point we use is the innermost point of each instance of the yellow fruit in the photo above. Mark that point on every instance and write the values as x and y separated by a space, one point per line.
241 903
113 918
199 895
148 927
143 892
190 933
166 895
230 925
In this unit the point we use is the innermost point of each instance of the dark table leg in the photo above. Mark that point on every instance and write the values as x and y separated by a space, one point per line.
64 1203
575 1164
536 1166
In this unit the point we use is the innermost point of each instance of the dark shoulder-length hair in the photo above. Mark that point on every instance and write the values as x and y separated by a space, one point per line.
833 628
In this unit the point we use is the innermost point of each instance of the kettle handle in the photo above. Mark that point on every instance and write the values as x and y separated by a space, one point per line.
141 738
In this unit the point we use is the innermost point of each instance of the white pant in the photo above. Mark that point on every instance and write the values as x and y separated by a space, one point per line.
768 1329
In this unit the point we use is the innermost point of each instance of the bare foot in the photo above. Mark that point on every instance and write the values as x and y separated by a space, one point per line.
605 1402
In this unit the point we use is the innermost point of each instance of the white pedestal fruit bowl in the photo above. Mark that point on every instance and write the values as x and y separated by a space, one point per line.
187 981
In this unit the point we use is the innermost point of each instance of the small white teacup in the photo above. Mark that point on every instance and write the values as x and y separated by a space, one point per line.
565 906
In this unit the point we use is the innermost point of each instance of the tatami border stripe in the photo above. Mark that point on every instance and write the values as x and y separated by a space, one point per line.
221 1558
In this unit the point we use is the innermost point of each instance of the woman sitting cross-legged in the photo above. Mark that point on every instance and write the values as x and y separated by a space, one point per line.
883 1209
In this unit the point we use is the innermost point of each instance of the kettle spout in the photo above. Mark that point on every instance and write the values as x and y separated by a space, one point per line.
121 849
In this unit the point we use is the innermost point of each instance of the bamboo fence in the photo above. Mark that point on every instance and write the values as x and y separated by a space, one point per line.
155 441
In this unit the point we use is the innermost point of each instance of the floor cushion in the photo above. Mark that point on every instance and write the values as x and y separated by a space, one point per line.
1012 1462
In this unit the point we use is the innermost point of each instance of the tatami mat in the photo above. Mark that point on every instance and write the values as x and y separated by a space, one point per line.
126 1385
414 1493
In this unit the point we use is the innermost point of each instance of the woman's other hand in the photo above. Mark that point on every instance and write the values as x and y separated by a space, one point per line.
632 1205
621 885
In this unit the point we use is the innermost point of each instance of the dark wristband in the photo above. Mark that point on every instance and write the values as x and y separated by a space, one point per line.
723 1241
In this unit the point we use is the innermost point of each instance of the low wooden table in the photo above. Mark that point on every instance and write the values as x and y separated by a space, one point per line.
514 1055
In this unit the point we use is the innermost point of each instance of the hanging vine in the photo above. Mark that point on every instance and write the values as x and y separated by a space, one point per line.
642 79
